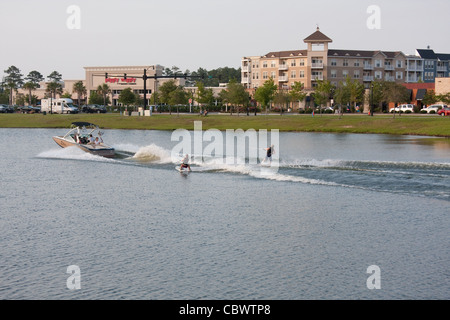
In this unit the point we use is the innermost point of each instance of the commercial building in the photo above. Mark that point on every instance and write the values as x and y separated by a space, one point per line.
117 78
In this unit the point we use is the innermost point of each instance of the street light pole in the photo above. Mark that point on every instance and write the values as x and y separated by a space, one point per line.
145 89
371 99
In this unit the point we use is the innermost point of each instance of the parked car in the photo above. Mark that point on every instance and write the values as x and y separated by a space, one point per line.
93 108
6 109
29 109
444 111
98 109
403 108
434 107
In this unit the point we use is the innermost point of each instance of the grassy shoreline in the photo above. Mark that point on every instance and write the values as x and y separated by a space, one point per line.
425 125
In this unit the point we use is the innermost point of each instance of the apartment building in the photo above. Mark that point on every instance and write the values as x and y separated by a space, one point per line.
318 62
366 66
414 69
286 67
436 65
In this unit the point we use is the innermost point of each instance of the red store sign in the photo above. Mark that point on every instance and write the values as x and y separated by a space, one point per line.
120 80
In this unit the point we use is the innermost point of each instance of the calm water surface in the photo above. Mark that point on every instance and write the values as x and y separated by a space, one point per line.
138 229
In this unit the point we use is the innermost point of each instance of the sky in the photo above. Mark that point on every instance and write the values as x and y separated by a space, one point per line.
48 35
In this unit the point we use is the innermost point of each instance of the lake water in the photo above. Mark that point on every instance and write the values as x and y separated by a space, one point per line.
138 229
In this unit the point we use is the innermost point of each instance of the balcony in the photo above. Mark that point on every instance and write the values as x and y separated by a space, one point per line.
412 79
414 68
245 80
283 79
368 78
368 66
245 68
389 78
388 67
317 65
441 68
283 67
316 77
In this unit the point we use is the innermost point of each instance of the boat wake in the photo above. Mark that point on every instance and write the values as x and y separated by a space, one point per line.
410 177
72 153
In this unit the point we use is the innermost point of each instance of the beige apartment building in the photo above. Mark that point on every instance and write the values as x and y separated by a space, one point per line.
318 62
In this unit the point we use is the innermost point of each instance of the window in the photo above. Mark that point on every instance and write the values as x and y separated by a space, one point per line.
399 75
316 75
293 74
356 74
333 74
333 62
293 63
265 76
302 74
345 63
345 73
399 64
264 64
356 63
378 74
273 75
273 64
302 62
429 64
378 63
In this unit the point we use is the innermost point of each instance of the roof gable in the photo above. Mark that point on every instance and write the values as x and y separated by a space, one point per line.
426 53
317 37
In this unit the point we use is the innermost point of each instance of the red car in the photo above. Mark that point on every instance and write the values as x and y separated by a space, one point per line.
444 112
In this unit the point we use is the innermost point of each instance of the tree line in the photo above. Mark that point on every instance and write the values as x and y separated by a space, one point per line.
348 93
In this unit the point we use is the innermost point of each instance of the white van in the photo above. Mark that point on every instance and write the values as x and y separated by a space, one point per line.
434 107
61 105
403 108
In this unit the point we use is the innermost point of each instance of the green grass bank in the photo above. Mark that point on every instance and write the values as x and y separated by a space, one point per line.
426 125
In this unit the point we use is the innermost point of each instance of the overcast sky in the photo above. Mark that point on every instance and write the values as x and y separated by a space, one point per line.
204 33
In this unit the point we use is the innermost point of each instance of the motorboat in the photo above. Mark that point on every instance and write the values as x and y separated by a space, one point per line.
86 136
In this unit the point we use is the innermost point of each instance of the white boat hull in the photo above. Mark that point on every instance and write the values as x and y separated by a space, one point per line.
100 150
